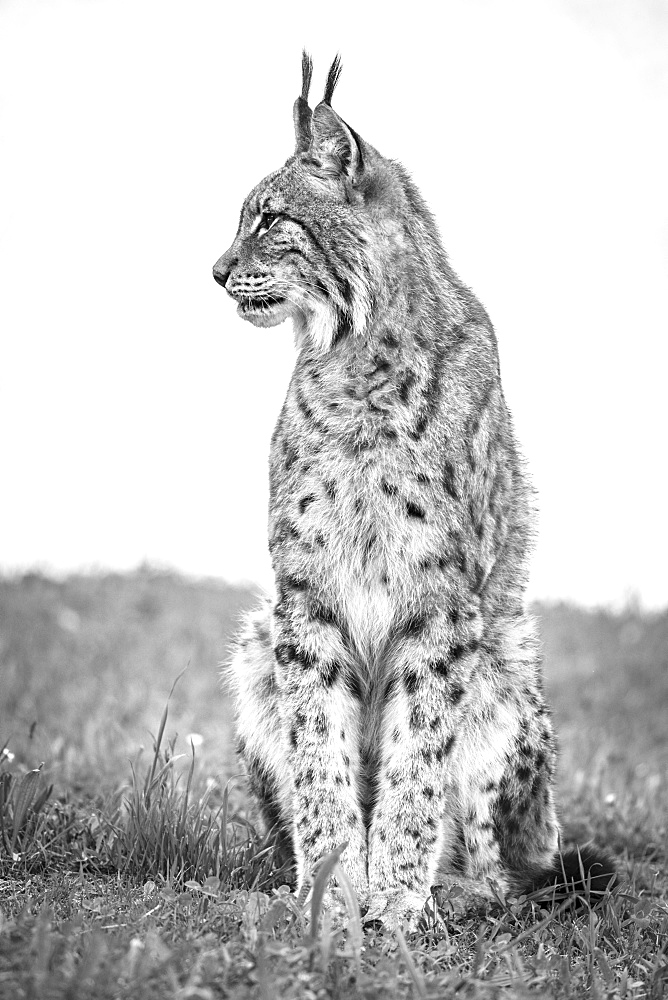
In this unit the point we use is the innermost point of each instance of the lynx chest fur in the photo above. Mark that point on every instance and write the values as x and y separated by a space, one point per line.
390 696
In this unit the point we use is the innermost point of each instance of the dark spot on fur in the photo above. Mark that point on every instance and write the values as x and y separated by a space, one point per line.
411 682
382 365
285 653
319 612
479 577
389 489
414 625
330 674
428 791
440 667
461 650
420 427
456 694
405 386
290 454
330 489
305 501
449 743
313 837
450 480
320 724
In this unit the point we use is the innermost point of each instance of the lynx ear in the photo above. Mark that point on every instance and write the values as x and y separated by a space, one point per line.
335 144
301 112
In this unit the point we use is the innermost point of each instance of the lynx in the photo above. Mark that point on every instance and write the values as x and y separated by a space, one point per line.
390 696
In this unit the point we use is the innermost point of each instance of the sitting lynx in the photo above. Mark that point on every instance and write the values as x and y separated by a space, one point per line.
390 697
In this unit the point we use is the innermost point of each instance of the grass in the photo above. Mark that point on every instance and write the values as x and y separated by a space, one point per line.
129 866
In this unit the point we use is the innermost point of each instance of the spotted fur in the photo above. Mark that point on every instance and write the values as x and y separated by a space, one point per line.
390 695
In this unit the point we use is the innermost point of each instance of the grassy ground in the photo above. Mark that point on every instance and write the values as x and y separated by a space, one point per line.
129 872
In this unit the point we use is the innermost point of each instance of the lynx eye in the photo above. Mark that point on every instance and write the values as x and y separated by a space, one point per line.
267 220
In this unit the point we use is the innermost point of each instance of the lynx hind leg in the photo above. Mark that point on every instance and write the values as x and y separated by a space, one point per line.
505 831
260 738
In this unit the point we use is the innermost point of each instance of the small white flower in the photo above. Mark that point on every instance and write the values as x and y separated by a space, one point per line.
610 799
195 738
7 754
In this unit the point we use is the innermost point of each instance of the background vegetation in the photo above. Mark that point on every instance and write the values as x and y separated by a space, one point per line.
128 870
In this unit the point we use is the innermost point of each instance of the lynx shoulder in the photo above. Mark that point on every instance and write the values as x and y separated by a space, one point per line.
390 696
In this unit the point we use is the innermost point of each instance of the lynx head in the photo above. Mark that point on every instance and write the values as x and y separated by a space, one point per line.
314 236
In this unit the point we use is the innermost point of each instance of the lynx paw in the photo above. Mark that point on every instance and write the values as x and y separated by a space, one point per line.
397 908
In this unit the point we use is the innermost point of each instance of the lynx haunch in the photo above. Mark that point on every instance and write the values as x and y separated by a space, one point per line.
390 696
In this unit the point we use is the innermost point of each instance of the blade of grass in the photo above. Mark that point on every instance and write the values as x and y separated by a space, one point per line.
23 799
416 976
326 866
355 932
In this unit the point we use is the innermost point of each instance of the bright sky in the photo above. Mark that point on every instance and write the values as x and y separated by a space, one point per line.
136 408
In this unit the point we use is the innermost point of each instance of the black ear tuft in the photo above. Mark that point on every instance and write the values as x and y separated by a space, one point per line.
301 113
307 73
332 79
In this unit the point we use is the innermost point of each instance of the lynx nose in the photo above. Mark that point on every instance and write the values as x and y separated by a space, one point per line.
223 267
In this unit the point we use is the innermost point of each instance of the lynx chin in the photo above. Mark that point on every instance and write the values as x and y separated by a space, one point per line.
390 696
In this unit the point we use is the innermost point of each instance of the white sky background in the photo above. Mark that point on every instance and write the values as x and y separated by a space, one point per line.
136 408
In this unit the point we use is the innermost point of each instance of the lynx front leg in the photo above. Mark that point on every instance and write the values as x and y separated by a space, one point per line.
321 720
420 730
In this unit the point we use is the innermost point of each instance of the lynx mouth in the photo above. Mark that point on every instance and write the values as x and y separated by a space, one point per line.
260 303
262 310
